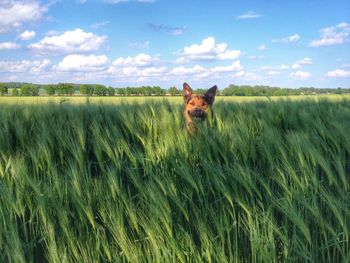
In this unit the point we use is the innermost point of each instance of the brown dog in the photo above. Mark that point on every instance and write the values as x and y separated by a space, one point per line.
197 106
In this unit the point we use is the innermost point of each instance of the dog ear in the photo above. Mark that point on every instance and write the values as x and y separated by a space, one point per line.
209 96
187 91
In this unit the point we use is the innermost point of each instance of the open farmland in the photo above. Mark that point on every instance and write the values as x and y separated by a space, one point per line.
124 182
143 99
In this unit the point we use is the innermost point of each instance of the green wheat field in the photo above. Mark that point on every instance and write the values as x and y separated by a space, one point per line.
262 181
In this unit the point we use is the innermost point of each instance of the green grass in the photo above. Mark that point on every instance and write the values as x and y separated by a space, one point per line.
127 183
9 100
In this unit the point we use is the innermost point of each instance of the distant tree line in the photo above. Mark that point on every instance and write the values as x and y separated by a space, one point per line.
69 89
24 90
173 91
29 90
141 91
260 90
3 89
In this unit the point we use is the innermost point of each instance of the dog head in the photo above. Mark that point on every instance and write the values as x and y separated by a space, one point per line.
197 106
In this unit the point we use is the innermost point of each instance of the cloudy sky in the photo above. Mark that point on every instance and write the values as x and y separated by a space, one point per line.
166 42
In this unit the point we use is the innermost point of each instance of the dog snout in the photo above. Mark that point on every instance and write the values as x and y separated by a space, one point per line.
197 112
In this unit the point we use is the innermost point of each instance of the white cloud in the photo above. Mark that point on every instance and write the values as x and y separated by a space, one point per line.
288 39
229 54
235 66
273 72
250 76
152 71
9 46
333 35
256 57
172 30
262 47
82 63
304 61
181 60
76 41
280 67
81 1
208 45
248 15
183 71
293 38
140 45
295 66
135 73
196 71
36 66
100 24
138 67
300 75
247 76
141 60
239 74
40 66
339 73
267 68
15 66
14 13
144 72
52 33
27 35
208 50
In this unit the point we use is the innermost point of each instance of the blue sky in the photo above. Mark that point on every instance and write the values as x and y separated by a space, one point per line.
166 42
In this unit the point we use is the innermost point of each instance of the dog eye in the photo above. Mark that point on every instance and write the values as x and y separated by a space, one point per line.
192 103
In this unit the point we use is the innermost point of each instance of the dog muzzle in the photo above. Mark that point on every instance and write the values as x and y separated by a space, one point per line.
197 113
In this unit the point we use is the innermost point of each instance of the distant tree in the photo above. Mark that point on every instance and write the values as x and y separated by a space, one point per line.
110 91
100 90
280 92
35 90
3 89
339 91
26 90
29 90
65 89
173 91
15 92
261 90
50 89
128 91
158 91
87 90
60 89
121 91
70 89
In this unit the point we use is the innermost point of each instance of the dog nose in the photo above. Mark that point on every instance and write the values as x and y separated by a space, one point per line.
198 110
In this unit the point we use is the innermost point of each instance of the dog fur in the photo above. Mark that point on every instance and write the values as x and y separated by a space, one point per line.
197 106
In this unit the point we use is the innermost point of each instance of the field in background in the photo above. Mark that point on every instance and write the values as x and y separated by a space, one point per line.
126 183
171 99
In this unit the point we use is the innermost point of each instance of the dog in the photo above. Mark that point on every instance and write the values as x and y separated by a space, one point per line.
197 106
